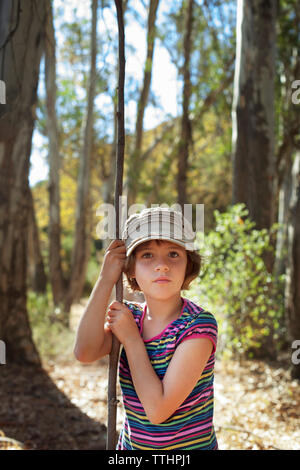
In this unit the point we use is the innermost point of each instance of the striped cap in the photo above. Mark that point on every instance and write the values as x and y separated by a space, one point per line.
158 223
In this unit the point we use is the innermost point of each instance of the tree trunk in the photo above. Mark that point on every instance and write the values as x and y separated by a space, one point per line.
186 131
109 177
253 139
111 439
280 263
134 164
81 247
23 48
287 122
55 265
292 293
36 271
253 115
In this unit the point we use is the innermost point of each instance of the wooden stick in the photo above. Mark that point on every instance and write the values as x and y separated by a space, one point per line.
111 440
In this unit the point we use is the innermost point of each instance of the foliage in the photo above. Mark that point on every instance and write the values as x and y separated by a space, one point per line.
236 286
93 270
210 160
246 299
50 334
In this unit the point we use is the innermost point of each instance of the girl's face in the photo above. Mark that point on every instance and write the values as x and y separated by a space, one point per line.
164 260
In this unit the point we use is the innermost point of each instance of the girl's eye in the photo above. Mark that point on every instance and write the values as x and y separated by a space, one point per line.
173 254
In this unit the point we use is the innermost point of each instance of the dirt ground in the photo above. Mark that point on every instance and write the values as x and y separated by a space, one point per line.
64 405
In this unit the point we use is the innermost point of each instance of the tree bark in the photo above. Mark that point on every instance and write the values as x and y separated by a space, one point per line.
134 164
186 130
22 44
111 440
292 293
108 178
36 271
253 141
81 247
280 263
288 123
55 265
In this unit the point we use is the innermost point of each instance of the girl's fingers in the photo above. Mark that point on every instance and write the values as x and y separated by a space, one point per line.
112 313
115 305
119 249
116 244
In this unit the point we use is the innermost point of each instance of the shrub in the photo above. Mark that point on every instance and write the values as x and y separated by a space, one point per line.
50 334
235 285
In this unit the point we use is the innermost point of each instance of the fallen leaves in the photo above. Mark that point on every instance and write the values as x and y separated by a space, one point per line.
257 406
64 406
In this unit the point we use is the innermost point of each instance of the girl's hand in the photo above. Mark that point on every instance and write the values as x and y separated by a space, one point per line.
121 322
114 261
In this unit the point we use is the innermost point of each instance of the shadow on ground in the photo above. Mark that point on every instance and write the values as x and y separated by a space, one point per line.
37 413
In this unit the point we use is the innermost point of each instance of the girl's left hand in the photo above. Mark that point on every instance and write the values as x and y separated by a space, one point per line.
121 322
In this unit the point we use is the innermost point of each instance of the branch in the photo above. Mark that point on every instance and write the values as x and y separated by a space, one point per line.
114 355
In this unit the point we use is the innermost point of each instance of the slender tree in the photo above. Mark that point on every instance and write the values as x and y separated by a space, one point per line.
292 294
81 246
288 167
22 29
186 129
36 271
108 177
288 68
55 266
134 164
253 133
114 354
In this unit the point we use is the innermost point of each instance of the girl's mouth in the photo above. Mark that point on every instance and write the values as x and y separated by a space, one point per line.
162 280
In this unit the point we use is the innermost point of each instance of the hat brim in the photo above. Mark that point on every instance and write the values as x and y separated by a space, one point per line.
153 237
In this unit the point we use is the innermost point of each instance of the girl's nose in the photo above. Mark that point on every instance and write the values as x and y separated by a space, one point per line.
162 266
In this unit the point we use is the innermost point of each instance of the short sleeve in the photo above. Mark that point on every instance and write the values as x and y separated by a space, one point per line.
203 325
135 309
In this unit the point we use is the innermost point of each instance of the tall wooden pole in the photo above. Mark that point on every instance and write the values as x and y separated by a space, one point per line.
111 440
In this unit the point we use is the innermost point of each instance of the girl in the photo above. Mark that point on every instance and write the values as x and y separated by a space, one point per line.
166 365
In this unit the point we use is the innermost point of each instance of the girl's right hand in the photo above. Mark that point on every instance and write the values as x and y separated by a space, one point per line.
114 261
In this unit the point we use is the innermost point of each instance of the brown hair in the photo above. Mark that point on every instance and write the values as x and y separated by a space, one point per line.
192 269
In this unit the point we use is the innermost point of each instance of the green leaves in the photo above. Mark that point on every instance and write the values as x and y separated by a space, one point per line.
236 286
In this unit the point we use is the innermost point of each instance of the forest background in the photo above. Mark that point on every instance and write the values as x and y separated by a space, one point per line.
212 117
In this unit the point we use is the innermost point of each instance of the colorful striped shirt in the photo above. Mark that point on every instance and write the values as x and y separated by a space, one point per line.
191 425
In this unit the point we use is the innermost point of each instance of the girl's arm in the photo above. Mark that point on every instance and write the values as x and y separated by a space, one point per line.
94 339
160 398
